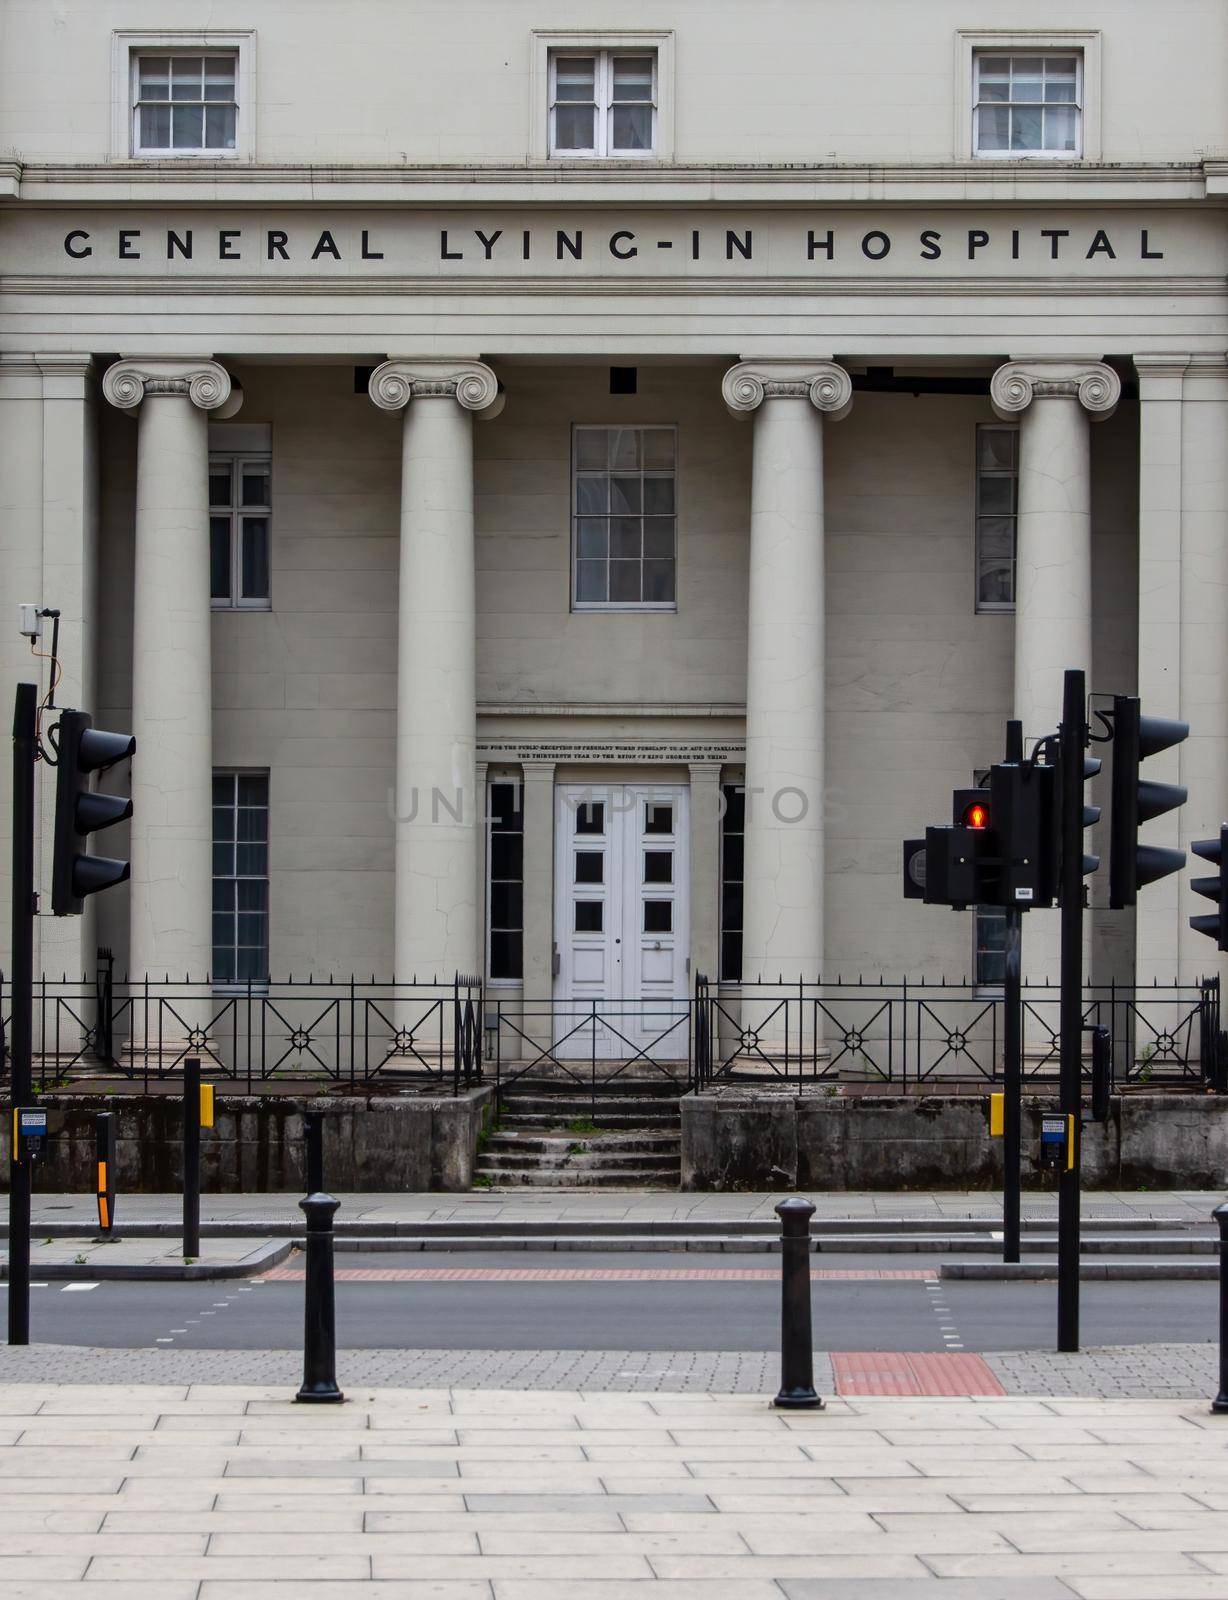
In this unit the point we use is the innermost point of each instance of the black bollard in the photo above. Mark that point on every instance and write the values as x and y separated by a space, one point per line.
191 1157
313 1133
319 1311
796 1356
1220 1403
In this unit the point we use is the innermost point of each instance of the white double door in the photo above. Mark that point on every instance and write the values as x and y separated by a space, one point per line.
622 919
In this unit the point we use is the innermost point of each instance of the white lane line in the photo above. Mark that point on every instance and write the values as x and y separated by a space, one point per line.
164 1341
78 1288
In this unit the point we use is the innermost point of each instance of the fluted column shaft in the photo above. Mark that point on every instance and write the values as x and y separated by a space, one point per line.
785 689
437 807
172 716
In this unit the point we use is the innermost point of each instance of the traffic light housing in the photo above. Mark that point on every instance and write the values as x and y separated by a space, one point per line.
1135 737
79 811
1213 923
1021 805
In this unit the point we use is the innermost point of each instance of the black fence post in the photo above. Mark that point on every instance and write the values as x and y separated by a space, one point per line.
313 1133
191 1156
319 1385
1220 1403
797 1390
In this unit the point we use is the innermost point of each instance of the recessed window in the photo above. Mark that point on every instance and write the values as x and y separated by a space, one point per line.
505 880
997 515
603 103
240 877
658 916
240 512
624 517
184 104
590 866
589 915
1028 105
733 829
990 955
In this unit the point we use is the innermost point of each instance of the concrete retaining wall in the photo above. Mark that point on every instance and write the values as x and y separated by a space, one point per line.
781 1141
370 1145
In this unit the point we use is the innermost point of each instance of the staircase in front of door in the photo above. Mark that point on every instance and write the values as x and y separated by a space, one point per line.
552 1137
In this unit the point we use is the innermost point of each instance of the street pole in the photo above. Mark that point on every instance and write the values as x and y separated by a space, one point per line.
1012 1051
1012 1083
21 1026
191 1157
1072 744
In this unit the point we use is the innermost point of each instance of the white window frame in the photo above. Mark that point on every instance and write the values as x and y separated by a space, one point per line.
1026 41
240 985
237 443
639 607
127 45
992 608
620 41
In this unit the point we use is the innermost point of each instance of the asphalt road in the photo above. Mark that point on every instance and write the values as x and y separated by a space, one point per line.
682 1313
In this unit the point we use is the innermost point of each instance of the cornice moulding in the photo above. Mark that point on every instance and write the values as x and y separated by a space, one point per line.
956 182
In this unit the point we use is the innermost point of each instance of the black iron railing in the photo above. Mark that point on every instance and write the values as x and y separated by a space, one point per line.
913 1034
907 1035
353 1031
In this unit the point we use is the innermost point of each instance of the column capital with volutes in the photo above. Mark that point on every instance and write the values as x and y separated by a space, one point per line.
471 384
827 386
1015 385
205 382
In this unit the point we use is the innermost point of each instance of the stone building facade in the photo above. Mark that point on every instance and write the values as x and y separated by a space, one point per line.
561 492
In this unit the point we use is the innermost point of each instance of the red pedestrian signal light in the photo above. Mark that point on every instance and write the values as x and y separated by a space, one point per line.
976 815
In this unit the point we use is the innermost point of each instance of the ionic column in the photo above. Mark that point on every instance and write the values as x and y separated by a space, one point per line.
437 806
1160 471
172 714
1204 641
1053 560
1053 401
783 930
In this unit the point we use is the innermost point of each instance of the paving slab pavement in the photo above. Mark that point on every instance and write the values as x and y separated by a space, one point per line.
1170 1372
632 1206
232 1492
88 1259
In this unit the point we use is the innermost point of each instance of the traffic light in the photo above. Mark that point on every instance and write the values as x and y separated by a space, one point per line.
1214 923
80 811
1135 737
1021 805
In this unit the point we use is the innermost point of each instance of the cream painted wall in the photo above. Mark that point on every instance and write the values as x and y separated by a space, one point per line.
918 684
432 82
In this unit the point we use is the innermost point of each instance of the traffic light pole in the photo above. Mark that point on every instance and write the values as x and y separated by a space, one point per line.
21 1024
1071 776
1012 1083
1012 1051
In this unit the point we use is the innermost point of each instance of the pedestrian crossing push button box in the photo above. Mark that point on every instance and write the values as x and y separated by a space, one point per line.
29 1133
1057 1142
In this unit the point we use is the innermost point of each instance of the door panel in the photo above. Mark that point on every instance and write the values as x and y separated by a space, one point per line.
622 919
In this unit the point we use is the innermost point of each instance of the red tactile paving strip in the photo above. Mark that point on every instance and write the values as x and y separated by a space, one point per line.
582 1275
904 1372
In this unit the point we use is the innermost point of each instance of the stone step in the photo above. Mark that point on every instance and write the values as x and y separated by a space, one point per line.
537 1143
580 1178
606 1121
563 1107
581 1085
526 1161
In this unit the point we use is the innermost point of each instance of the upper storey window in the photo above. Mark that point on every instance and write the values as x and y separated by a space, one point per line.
1028 105
179 94
184 103
603 103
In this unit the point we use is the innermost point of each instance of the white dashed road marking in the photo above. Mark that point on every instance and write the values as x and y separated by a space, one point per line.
77 1288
